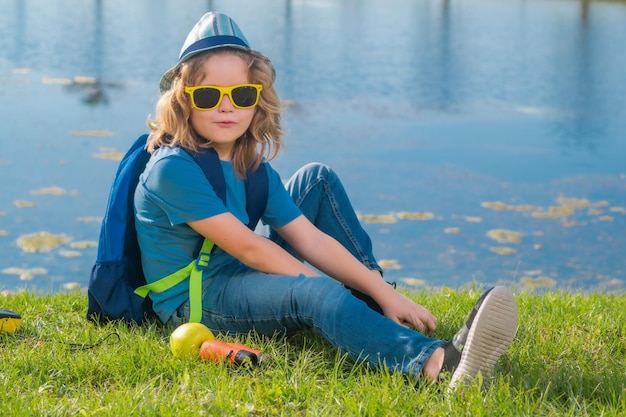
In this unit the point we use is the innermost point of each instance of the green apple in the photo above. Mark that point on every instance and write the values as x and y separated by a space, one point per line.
186 339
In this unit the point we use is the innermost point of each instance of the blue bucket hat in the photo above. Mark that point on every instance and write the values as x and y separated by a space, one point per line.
213 31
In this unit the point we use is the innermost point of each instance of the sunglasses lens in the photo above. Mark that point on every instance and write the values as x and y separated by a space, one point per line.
206 98
244 96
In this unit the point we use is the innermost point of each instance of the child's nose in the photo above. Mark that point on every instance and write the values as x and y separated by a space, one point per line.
226 104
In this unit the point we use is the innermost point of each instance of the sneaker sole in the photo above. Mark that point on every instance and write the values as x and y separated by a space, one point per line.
492 332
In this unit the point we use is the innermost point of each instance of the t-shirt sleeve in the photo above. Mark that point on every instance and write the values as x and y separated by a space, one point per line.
180 188
281 208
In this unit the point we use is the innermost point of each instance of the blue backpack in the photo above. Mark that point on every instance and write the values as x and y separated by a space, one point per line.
117 287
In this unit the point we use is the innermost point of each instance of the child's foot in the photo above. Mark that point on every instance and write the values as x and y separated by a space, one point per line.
488 332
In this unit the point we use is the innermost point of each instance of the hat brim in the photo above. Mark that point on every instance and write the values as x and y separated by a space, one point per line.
166 80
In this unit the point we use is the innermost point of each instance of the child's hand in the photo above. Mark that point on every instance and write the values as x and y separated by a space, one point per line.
404 311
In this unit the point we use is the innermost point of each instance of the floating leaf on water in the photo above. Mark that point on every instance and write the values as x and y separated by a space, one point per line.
405 215
499 205
537 246
414 282
41 241
109 153
389 264
24 203
554 212
85 80
571 223
99 133
496 205
4 232
602 203
534 272
574 203
605 219
505 236
562 211
502 250
49 190
617 209
22 71
71 285
471 219
61 81
452 230
377 218
25 274
524 207
84 244
538 282
89 219
69 253
594 212
543 215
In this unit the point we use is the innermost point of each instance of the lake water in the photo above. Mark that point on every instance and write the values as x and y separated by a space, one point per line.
481 141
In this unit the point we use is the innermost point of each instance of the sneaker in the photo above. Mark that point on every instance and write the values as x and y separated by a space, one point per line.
488 332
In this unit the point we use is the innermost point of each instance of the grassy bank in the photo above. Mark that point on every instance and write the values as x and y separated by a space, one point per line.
569 358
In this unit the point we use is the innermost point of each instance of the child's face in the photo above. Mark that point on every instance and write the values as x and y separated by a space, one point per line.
226 123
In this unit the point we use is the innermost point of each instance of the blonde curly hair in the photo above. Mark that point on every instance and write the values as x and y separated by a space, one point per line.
262 139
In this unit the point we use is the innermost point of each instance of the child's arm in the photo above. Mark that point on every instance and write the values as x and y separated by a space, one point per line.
256 251
330 257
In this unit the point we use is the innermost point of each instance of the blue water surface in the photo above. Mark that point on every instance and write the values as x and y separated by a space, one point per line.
438 109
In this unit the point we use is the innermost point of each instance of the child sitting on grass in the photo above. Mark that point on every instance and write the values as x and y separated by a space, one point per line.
220 97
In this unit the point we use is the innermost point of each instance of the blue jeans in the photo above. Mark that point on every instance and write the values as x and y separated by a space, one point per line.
241 300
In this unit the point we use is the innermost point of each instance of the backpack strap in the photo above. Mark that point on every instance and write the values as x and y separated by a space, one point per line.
209 161
256 183
256 194
193 271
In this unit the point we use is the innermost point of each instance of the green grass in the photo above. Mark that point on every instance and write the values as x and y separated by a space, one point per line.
569 358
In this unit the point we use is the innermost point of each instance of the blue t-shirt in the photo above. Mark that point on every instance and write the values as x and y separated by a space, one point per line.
173 191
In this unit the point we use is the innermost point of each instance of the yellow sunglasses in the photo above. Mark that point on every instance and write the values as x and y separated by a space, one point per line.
208 97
